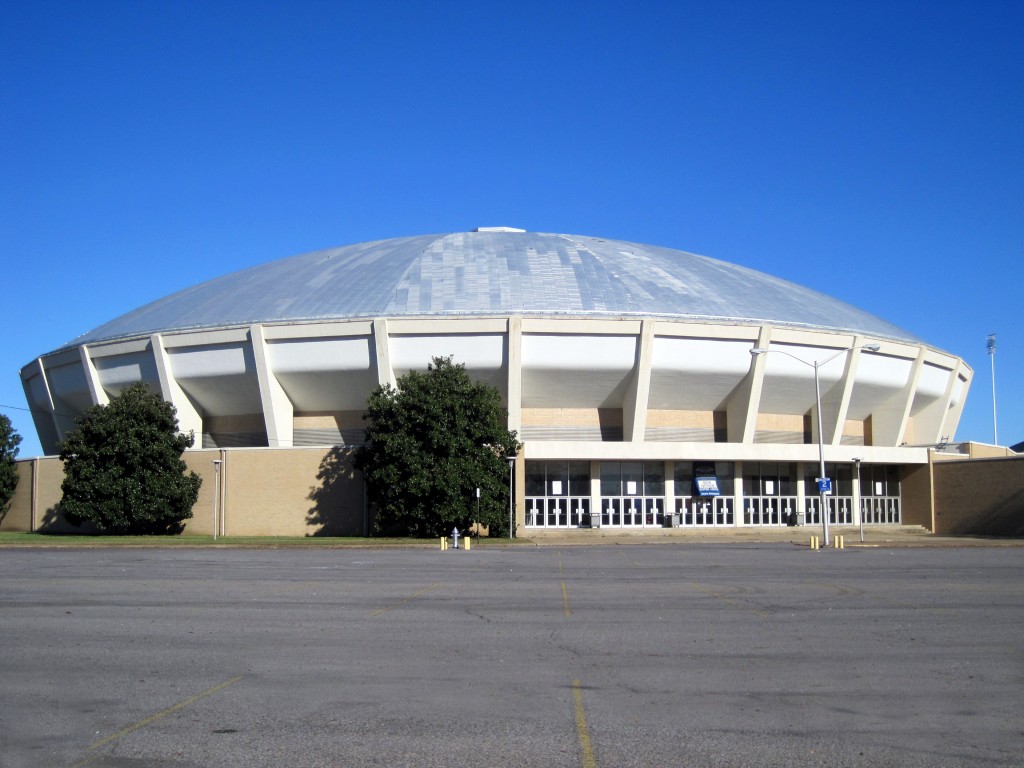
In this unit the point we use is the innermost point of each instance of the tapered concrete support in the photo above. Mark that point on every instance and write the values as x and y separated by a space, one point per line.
745 401
889 424
515 373
278 411
189 417
634 410
385 373
96 392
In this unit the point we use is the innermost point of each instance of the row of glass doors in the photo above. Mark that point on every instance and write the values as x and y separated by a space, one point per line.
558 495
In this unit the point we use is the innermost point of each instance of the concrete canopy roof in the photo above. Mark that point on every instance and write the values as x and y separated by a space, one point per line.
493 272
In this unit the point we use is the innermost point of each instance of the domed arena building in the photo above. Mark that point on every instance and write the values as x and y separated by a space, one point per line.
650 387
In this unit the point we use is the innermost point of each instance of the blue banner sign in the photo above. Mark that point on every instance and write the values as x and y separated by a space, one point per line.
705 480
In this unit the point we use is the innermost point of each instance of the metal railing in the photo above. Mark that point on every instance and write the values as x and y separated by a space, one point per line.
632 512
557 511
712 510
881 510
769 510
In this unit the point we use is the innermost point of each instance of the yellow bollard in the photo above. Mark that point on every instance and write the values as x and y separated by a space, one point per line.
444 543
814 542
839 542
466 542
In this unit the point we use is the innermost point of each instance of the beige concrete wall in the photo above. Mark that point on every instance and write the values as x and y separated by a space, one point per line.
263 492
916 496
278 492
18 515
980 496
296 492
315 491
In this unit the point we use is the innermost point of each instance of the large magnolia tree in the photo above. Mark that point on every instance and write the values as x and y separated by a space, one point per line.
432 441
123 470
9 442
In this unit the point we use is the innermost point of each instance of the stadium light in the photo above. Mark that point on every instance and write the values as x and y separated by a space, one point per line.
816 364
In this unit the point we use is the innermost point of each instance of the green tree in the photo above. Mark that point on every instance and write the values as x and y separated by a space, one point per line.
430 443
9 441
123 469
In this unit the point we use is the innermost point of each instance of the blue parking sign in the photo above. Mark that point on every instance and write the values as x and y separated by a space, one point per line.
824 484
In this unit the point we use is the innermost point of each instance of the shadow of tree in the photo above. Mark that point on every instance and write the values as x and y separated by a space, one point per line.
338 499
53 521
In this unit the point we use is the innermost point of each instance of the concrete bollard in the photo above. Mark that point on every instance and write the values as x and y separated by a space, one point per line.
814 542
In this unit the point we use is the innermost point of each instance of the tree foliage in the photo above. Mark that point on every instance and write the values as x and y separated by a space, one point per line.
9 442
431 442
123 469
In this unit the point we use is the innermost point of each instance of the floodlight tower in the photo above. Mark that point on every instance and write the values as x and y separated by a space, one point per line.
992 356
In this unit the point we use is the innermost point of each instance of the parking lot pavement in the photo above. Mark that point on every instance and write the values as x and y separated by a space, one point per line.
873 536
734 654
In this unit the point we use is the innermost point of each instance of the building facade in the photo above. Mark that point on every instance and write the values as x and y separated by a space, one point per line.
626 369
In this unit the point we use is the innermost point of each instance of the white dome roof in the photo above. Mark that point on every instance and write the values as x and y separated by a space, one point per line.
494 271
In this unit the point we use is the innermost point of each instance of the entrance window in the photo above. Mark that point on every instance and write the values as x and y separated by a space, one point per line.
632 493
880 494
693 509
557 494
841 476
769 491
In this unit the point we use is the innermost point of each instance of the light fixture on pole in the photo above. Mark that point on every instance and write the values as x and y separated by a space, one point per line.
992 356
511 495
824 485
216 494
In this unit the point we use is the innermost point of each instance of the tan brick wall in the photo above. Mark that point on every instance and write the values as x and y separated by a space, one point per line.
572 417
853 428
249 422
780 422
697 419
18 515
288 492
916 496
339 419
980 496
265 492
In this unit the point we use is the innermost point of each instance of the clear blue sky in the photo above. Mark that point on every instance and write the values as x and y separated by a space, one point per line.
870 150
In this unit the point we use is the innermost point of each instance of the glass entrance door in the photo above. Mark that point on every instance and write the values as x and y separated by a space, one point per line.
632 494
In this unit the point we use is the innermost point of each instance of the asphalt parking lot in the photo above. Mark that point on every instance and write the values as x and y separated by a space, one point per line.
683 654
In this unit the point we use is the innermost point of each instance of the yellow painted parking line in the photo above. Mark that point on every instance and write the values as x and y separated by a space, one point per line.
565 601
586 749
158 716
413 596
730 601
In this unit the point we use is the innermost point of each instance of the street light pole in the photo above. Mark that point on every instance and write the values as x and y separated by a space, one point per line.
216 495
821 432
511 522
823 508
858 504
